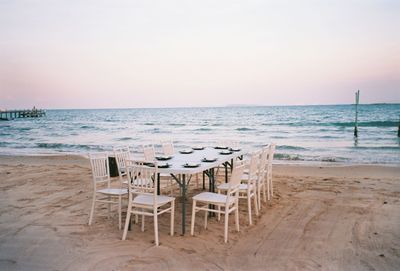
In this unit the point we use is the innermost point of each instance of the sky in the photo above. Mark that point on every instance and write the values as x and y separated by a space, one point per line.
123 54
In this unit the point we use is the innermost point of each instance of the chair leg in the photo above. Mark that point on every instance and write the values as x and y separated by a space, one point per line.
156 227
109 207
268 189
205 219
259 196
249 209
237 218
264 194
219 209
143 222
172 217
193 218
226 225
127 220
119 212
92 210
272 187
255 203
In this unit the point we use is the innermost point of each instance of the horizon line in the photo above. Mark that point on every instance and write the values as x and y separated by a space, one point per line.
217 106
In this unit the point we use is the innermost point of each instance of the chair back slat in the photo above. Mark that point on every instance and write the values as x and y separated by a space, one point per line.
121 156
143 180
100 167
254 168
149 153
234 182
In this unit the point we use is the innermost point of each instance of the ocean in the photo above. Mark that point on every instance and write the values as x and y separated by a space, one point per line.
303 134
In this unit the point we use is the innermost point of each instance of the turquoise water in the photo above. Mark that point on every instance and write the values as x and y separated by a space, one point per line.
302 133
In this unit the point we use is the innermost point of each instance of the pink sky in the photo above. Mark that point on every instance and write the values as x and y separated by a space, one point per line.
63 54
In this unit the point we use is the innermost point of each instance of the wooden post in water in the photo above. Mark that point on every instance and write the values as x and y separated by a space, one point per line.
356 121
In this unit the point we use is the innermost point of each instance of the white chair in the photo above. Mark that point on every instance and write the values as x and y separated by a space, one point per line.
150 156
229 202
248 187
262 175
122 156
101 177
168 147
269 170
143 198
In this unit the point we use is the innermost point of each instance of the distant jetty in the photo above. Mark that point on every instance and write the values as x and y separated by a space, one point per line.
24 113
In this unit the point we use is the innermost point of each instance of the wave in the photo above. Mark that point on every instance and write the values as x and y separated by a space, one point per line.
148 123
176 124
243 129
285 156
288 147
366 124
392 148
124 138
87 127
336 124
62 146
203 129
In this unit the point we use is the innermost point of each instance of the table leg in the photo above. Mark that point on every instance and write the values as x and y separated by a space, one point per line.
158 183
183 203
226 171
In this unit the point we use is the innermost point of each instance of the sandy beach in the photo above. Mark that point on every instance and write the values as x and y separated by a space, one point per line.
320 218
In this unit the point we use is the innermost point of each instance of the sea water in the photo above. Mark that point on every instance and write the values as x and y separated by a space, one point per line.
302 133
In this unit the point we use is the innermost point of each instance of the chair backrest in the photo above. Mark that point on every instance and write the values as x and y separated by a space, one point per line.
234 182
100 168
254 169
149 153
121 156
168 147
271 153
142 180
263 163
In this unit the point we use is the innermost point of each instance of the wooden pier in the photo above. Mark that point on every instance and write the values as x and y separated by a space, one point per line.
24 113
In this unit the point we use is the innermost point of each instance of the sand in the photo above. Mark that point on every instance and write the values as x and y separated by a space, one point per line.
320 218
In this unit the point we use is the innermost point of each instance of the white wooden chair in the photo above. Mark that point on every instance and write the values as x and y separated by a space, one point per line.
122 156
143 198
248 187
271 153
101 177
150 156
229 202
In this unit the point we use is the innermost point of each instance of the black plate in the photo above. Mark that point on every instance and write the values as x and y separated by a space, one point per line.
165 165
190 165
198 148
163 158
209 160
234 149
225 152
186 151
221 148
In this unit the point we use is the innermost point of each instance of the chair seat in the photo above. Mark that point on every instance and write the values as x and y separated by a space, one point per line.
148 200
210 197
113 191
242 186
